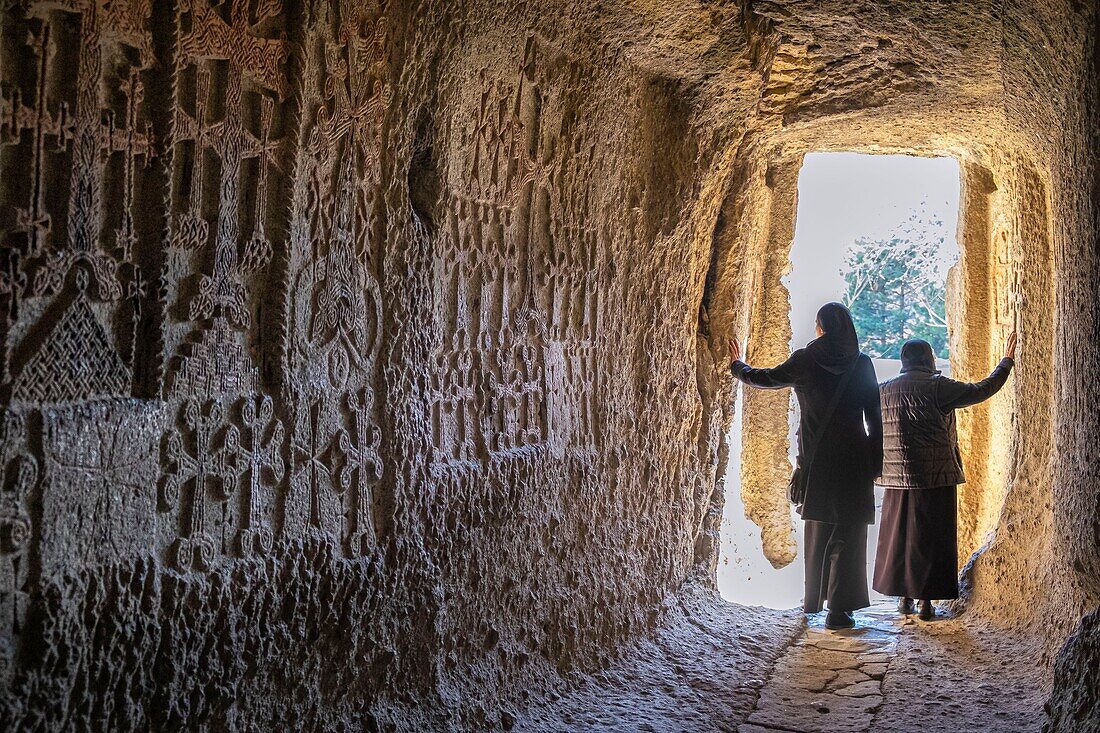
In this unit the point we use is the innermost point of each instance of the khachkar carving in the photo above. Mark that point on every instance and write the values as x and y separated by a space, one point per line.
101 462
18 474
213 458
199 467
490 374
225 161
338 466
336 312
334 307
71 291
258 449
361 472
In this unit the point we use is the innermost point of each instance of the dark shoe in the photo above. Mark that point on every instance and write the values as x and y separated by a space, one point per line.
927 611
839 620
905 606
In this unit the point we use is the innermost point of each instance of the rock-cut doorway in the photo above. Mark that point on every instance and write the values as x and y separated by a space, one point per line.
878 233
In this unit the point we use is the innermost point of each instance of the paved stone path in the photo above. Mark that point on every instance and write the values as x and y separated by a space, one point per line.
716 667
830 680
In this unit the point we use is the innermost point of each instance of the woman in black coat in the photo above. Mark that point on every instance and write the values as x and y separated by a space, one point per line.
840 500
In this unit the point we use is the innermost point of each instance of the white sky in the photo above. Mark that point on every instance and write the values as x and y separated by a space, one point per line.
841 196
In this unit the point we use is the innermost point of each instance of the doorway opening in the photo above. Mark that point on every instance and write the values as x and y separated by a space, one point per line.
877 233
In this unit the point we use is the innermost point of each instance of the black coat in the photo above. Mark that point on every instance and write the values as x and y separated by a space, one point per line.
840 487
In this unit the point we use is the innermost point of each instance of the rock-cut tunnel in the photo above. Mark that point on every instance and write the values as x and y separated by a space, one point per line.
364 363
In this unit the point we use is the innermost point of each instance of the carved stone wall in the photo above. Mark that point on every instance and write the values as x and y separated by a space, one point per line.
362 363
325 361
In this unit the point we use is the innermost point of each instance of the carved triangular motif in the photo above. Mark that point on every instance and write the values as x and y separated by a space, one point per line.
76 362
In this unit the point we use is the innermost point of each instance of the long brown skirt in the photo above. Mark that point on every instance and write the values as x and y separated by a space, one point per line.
917 544
836 566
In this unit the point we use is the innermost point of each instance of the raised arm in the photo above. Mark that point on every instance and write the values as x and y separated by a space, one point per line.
787 374
951 394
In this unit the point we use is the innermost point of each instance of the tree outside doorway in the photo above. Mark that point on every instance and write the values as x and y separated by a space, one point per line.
896 285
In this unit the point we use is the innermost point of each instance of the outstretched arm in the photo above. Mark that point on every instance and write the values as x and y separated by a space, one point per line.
952 394
786 374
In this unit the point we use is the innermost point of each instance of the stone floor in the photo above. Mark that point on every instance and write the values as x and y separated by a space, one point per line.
829 680
717 666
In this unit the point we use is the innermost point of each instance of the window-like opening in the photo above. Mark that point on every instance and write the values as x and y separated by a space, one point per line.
878 233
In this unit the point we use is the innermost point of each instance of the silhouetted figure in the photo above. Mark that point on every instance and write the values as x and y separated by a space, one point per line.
917 545
839 501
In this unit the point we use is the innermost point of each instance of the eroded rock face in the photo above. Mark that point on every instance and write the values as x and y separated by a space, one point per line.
1074 705
363 363
333 393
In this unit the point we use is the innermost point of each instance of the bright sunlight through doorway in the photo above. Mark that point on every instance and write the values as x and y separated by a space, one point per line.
877 233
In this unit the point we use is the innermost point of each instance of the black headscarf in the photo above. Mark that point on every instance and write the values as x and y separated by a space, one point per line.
838 348
917 354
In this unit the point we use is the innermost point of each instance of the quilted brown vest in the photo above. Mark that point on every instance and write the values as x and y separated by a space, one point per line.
919 442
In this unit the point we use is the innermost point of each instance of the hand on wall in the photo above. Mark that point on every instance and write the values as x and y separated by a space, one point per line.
735 349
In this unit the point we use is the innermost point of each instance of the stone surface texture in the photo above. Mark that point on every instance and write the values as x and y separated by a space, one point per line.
363 362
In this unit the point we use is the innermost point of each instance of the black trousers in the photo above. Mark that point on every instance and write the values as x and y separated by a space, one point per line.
836 566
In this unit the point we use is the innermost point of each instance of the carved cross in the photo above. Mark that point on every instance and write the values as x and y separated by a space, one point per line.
207 470
133 144
189 229
362 470
95 137
311 453
210 37
357 91
258 249
221 292
34 220
261 457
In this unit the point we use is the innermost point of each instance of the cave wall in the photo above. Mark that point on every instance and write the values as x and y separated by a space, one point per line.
364 363
765 451
344 379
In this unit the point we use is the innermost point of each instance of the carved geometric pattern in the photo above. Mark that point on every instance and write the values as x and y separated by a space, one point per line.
77 361
216 364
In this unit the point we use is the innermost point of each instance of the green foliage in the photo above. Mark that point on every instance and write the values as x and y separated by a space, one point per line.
895 287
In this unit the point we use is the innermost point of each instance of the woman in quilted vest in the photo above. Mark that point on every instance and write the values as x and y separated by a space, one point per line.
917 546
